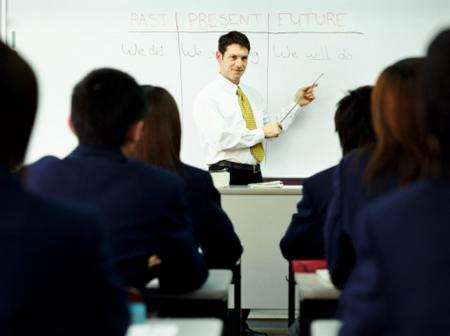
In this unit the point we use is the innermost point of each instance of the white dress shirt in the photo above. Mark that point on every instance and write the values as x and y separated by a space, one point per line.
222 127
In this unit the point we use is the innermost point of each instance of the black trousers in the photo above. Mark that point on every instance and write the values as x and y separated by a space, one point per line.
238 175
243 176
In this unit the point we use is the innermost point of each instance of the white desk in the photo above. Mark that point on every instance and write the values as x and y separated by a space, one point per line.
325 327
210 300
260 217
318 299
177 327
311 287
216 287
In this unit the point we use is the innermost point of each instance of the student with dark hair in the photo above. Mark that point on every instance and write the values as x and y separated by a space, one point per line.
56 277
101 120
399 157
304 236
144 206
352 120
160 145
400 282
231 117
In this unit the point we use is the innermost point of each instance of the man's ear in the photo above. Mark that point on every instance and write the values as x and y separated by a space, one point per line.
71 126
219 56
135 131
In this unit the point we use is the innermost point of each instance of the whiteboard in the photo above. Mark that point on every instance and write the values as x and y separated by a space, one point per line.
172 43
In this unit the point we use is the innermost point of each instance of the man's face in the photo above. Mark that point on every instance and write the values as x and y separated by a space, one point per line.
233 62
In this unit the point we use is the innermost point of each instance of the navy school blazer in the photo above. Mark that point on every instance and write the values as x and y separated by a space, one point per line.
144 209
351 193
56 275
304 236
213 229
400 282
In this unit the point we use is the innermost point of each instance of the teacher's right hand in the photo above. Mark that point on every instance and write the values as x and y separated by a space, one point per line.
272 130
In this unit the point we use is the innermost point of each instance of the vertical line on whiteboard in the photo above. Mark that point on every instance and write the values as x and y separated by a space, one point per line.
180 66
267 84
3 19
13 39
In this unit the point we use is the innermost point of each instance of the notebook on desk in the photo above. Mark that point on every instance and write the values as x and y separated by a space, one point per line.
271 184
147 329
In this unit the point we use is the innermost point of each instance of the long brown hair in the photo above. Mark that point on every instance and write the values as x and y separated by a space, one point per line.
403 147
161 139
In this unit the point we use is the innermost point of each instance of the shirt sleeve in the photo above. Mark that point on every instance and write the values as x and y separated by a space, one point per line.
220 132
289 113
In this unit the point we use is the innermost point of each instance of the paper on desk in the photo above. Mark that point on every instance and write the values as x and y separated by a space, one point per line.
271 184
153 283
221 178
148 329
324 277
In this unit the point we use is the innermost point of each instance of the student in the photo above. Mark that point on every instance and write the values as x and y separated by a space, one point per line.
55 277
231 117
400 282
160 146
364 175
304 236
144 206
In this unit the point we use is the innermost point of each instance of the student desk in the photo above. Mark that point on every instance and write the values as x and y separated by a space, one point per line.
260 218
318 299
210 300
311 287
177 327
325 327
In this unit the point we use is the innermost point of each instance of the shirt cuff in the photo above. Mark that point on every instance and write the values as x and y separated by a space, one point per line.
260 134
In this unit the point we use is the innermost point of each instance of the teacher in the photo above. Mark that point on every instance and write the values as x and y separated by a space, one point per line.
231 117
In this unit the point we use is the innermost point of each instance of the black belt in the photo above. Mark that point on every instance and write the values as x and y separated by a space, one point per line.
228 164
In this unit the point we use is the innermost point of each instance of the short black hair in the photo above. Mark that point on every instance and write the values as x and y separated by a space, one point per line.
353 121
436 93
18 99
105 103
233 37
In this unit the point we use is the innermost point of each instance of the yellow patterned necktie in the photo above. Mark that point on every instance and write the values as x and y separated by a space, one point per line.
256 150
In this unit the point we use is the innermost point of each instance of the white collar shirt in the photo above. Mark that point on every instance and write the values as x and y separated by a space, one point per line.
222 128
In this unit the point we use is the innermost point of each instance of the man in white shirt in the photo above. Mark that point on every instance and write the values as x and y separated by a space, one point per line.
231 117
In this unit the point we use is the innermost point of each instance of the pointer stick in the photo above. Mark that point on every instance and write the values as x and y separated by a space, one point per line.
312 85
317 79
